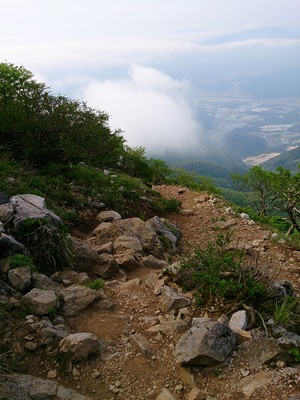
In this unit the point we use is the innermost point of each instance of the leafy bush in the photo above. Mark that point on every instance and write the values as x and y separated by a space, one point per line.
48 245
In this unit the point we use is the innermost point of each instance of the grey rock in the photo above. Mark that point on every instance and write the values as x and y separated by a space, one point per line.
20 279
238 320
153 262
79 345
107 267
206 343
41 281
9 246
155 282
165 394
128 260
172 300
158 226
76 298
105 248
108 216
33 207
125 242
142 344
6 212
27 387
41 301
86 258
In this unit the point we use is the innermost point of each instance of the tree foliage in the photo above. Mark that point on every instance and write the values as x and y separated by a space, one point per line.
270 192
38 127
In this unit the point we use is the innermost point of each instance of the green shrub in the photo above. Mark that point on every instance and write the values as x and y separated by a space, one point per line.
48 245
172 205
295 353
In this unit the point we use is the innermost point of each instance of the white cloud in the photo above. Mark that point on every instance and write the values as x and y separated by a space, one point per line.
151 108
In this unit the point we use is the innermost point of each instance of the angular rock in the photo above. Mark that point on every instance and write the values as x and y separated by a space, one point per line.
165 395
142 344
207 343
86 259
10 246
251 383
6 212
129 285
124 243
172 300
155 282
153 262
128 260
108 216
27 387
33 207
105 248
76 298
107 267
41 281
157 225
20 279
79 345
41 301
238 320
106 232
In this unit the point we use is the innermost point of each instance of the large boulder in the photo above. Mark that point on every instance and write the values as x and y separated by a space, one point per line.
206 343
107 267
20 279
41 301
79 345
76 298
33 207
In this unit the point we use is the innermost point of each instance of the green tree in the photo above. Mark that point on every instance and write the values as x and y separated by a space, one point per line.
257 186
38 127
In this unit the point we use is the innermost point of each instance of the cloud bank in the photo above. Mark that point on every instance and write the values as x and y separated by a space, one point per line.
151 108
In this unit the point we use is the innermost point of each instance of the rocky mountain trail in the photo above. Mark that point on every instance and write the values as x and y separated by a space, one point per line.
136 338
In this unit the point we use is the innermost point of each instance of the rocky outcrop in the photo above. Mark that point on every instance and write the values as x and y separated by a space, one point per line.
31 206
20 279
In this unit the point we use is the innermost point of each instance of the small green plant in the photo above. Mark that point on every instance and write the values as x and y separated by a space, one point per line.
173 205
96 284
52 312
285 312
21 260
295 353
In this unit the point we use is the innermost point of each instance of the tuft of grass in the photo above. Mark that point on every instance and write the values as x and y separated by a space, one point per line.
21 260
220 275
48 245
285 312
96 284
295 353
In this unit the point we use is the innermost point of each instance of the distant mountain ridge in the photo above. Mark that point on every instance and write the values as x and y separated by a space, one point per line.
289 160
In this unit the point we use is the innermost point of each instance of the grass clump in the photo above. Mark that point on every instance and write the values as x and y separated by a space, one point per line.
286 312
221 275
21 260
96 284
48 245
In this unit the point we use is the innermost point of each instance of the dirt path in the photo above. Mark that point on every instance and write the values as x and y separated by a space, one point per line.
123 372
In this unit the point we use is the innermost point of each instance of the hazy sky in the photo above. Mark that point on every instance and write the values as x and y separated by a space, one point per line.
79 47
